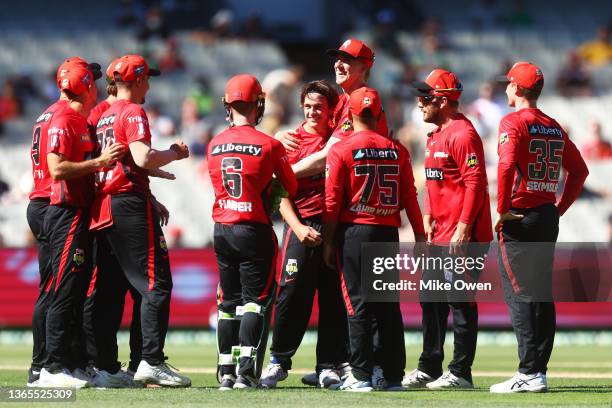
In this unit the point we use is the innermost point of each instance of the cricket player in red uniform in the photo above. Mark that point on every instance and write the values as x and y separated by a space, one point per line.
70 164
457 221
128 223
241 163
303 271
369 181
533 148
353 61
109 320
39 202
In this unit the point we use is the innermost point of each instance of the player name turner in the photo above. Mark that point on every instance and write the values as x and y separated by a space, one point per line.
240 206
431 285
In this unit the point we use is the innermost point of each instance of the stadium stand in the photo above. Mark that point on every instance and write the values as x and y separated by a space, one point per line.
34 43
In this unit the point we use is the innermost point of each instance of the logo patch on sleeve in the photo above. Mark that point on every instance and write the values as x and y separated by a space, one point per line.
503 138
347 125
472 160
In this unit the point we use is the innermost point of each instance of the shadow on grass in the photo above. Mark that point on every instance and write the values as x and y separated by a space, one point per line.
596 389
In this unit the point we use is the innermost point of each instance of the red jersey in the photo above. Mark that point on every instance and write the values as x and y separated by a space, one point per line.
96 113
69 136
343 124
532 150
241 162
38 152
124 122
456 182
309 196
369 181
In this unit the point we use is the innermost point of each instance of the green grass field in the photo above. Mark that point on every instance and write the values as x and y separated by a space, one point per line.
589 367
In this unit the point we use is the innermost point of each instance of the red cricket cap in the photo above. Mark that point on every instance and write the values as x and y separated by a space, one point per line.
77 61
355 49
76 79
130 67
524 74
365 98
243 88
110 73
439 82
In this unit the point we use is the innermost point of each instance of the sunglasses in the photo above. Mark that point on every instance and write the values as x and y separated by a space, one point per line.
426 100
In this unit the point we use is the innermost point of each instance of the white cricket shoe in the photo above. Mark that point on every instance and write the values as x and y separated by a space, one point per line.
245 382
61 379
227 382
521 383
274 374
417 379
352 384
449 380
160 374
120 379
328 377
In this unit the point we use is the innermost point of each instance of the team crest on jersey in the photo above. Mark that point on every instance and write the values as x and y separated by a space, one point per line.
292 266
347 125
79 256
472 160
162 243
503 138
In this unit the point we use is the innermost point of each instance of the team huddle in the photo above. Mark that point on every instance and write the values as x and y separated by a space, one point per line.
339 181
98 231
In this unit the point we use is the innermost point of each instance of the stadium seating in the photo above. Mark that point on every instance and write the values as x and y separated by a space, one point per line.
34 43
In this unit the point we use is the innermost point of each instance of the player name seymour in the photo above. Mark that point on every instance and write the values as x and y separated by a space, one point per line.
431 285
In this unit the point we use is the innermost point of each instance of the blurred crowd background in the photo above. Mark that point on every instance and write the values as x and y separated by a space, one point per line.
198 45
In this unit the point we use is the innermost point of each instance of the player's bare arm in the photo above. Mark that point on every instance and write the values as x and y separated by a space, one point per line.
305 234
62 169
315 163
148 158
159 173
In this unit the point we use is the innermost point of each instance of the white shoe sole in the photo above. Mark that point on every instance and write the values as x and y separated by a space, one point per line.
433 386
164 383
363 389
416 386
534 389
244 388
